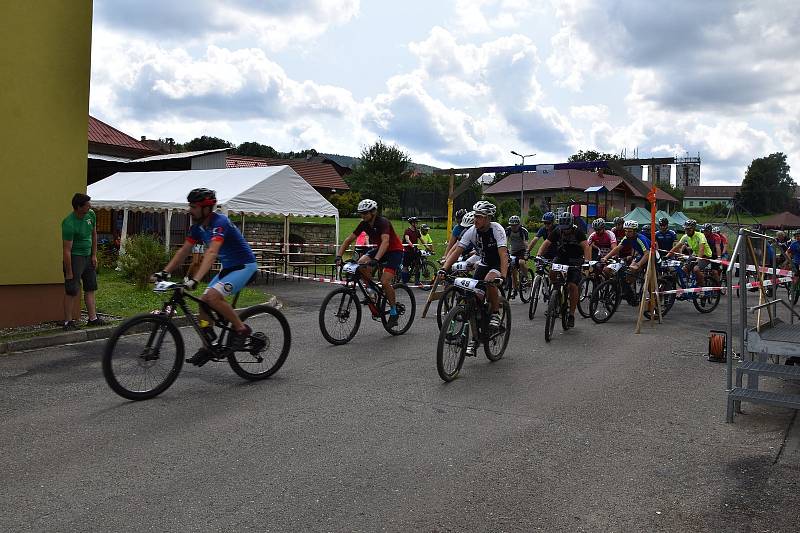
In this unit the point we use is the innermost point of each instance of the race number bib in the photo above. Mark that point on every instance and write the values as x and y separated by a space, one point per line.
350 268
615 266
461 266
560 268
468 284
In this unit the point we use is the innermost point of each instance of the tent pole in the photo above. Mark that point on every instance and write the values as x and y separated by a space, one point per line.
286 241
168 229
124 233
243 225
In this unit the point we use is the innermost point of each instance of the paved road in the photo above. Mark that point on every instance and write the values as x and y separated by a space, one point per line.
599 430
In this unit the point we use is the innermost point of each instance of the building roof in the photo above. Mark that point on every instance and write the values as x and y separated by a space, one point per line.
179 155
578 180
711 191
320 175
102 133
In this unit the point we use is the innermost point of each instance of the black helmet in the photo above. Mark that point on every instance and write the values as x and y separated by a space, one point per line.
708 227
565 220
663 221
202 196
618 220
412 219
646 229
460 213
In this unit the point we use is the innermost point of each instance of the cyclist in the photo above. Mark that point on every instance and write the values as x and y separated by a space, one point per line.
224 241
713 244
694 243
639 246
626 252
548 220
410 252
517 239
723 242
794 254
781 245
665 237
489 240
468 253
425 242
571 248
456 233
601 240
389 252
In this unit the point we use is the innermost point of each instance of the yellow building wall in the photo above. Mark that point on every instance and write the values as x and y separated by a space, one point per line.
45 51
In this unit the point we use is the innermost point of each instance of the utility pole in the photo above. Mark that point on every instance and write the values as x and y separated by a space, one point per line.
522 184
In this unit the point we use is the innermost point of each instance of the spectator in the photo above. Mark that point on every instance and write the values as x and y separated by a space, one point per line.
79 235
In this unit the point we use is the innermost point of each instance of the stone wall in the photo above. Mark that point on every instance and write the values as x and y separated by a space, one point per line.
298 232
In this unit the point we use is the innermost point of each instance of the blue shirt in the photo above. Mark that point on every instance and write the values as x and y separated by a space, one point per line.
457 229
666 239
795 249
640 244
234 251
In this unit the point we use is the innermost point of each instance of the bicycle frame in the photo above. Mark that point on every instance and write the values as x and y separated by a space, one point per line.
178 300
356 279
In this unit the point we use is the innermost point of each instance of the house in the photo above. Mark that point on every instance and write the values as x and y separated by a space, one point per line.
324 177
702 195
545 189
109 149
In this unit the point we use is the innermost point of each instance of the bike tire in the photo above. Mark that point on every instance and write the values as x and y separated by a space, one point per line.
605 298
525 289
706 302
667 300
564 311
585 290
553 304
241 360
406 307
535 293
494 346
346 304
428 271
451 346
150 325
446 302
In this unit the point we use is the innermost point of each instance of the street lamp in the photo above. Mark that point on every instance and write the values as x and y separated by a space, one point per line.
522 183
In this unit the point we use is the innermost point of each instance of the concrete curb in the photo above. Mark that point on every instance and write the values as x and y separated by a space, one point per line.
83 335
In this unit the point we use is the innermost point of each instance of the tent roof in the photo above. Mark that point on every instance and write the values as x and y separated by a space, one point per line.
679 217
782 220
640 215
254 191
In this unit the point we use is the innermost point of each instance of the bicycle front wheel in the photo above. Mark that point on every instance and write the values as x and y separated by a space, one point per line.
535 293
604 302
553 305
143 357
452 344
585 290
497 340
525 286
267 348
406 306
706 302
340 316
447 301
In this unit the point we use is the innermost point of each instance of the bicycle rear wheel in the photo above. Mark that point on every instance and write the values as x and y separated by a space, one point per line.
604 302
553 305
143 357
340 316
496 342
452 344
535 294
446 302
406 306
267 348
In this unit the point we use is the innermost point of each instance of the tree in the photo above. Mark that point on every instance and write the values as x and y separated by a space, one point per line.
767 186
674 191
506 209
256 149
346 203
204 143
380 174
591 155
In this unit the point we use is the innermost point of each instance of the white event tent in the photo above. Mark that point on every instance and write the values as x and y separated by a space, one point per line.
247 191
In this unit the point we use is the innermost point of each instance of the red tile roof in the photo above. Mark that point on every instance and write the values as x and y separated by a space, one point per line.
100 132
319 175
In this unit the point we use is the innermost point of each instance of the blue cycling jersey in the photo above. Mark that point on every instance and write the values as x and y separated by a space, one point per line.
795 249
234 251
640 244
666 239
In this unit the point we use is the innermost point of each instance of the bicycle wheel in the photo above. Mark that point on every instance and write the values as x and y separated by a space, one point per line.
535 293
525 287
495 345
604 302
452 344
428 272
795 293
340 316
585 290
553 305
705 302
564 310
143 357
266 350
406 306
667 300
447 301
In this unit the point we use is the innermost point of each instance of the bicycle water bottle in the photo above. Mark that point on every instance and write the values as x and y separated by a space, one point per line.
372 293
208 330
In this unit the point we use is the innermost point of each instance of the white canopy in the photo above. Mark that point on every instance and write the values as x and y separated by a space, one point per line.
252 191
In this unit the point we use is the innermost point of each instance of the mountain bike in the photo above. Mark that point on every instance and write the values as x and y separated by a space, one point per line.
145 354
422 269
607 296
450 294
523 286
469 320
672 276
558 301
540 285
587 286
340 313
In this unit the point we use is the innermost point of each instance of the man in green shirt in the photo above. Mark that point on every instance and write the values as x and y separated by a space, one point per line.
79 235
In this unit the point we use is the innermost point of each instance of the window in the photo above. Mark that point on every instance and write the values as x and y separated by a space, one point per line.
691 203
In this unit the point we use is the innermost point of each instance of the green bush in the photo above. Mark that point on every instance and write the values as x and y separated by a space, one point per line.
534 215
143 256
346 203
507 209
612 214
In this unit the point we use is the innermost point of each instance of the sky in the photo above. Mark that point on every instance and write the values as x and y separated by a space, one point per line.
459 82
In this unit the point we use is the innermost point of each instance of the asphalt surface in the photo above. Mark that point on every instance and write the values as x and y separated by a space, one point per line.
601 429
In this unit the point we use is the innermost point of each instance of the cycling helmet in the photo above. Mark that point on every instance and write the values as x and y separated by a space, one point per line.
513 220
468 219
780 235
618 221
483 207
646 229
708 227
202 196
412 219
663 221
717 229
630 224
549 217
599 224
424 226
565 220
690 223
366 205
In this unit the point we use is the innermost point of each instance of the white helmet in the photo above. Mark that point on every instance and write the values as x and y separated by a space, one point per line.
468 219
482 207
513 219
630 224
366 205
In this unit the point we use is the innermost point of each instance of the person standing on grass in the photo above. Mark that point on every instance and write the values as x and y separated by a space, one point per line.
79 236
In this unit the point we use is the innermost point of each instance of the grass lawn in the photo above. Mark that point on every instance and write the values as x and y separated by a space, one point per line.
119 297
